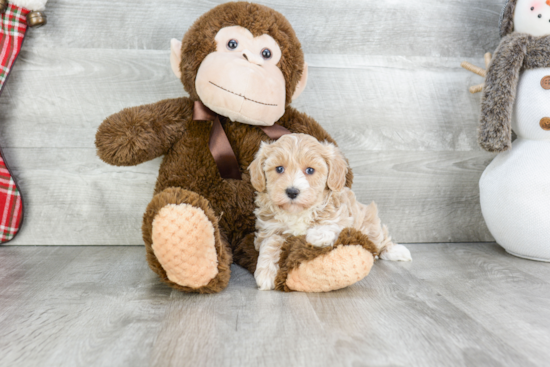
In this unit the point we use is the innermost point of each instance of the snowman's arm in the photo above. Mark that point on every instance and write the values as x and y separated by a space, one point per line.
495 130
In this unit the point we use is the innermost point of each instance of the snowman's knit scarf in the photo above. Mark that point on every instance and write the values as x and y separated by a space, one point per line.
516 52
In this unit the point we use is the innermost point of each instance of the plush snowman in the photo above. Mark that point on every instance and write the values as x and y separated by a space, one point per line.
515 187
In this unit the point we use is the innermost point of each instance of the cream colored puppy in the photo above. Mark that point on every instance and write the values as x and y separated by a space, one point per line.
301 191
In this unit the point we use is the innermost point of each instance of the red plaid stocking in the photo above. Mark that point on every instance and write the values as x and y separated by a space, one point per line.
12 32
11 205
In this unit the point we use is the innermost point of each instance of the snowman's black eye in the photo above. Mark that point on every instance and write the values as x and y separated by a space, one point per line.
532 8
266 53
232 44
540 15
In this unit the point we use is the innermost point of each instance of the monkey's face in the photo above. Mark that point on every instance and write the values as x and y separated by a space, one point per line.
532 17
241 80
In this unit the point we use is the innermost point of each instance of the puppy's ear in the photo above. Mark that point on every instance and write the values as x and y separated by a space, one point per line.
337 168
256 168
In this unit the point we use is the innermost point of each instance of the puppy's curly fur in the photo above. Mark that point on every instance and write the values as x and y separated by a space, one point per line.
300 183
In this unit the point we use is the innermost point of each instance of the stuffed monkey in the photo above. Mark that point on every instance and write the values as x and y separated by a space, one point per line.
242 65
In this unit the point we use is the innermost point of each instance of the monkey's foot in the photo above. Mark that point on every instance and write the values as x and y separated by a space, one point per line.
340 268
184 244
306 268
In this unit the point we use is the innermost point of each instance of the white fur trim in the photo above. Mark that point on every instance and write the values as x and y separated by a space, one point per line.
30 4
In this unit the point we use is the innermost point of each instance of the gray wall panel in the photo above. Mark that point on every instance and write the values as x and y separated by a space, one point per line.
384 80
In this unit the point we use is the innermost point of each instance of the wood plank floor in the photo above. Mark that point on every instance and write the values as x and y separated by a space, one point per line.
454 305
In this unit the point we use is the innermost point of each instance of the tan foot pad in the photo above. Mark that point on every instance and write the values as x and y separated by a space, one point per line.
184 244
338 269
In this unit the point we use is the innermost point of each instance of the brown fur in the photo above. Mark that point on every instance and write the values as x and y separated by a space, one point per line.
139 134
188 173
246 253
507 18
297 251
516 52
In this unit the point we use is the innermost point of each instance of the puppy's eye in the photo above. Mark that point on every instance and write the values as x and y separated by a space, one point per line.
310 171
266 53
232 44
280 169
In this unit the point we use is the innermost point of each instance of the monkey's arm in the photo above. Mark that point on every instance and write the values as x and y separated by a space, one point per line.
138 134
495 129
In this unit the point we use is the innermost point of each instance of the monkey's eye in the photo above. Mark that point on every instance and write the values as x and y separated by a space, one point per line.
280 169
232 44
266 53
310 171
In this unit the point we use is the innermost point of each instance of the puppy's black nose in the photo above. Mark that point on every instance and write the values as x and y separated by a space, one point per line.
292 192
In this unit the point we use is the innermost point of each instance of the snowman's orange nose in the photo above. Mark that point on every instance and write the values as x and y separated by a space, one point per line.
545 123
548 2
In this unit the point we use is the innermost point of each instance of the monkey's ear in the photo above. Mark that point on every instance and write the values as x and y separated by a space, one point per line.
301 84
175 56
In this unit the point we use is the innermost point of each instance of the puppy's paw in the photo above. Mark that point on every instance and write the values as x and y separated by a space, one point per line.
265 277
396 253
322 236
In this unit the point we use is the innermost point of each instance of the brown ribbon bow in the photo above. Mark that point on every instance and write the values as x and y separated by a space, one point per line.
221 150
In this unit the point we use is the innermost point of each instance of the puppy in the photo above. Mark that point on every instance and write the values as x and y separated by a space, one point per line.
301 191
